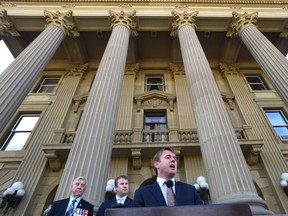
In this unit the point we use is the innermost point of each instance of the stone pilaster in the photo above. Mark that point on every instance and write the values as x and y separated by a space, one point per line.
6 26
94 138
227 170
32 167
270 59
186 120
20 76
250 112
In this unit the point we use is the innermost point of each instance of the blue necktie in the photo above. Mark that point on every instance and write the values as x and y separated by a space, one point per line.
70 210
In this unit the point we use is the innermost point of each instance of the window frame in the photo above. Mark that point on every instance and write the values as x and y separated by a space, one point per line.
284 137
263 83
13 131
150 76
41 85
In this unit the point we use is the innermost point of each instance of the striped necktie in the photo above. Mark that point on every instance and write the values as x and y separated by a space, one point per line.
70 210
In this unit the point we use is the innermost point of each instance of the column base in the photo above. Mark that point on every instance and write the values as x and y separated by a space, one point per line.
257 204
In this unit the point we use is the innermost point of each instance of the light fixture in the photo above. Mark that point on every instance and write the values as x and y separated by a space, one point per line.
110 193
284 182
203 189
12 196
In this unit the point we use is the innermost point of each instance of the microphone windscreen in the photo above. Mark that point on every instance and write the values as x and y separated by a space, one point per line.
169 183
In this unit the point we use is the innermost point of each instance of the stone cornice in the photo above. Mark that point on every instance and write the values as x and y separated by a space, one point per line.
208 2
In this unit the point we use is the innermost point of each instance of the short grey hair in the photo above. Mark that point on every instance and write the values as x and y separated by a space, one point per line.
80 178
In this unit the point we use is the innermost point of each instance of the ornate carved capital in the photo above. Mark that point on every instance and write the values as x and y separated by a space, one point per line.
176 69
126 19
132 69
241 21
54 161
253 156
62 20
76 70
180 19
229 69
6 26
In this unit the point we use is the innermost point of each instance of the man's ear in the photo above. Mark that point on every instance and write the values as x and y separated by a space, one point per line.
156 164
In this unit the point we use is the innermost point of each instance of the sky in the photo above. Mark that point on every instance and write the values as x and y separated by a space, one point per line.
6 57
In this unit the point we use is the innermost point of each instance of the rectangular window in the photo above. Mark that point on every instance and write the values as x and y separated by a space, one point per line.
155 127
20 132
256 82
48 85
279 122
154 83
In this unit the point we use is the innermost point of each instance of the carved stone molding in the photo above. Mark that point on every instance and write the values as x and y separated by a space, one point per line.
136 158
132 69
126 19
241 21
78 101
180 19
253 156
229 69
229 99
6 26
77 70
62 20
54 162
177 69
155 98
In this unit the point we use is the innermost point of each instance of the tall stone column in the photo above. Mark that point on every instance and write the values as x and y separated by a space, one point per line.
33 165
91 151
228 174
6 26
270 59
20 76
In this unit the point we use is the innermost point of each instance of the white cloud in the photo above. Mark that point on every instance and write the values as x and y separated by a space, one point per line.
6 58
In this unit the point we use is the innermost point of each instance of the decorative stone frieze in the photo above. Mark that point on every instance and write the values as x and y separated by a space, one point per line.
77 70
126 19
62 20
176 69
6 26
241 21
180 19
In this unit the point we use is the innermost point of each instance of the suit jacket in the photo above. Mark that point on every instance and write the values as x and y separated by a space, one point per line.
110 203
59 207
151 195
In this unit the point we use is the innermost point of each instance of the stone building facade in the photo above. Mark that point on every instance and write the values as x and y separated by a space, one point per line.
97 87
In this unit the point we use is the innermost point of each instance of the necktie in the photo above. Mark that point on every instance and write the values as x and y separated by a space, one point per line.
70 210
120 200
170 197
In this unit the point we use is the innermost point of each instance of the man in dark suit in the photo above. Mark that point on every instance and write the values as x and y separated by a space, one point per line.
166 191
75 204
120 200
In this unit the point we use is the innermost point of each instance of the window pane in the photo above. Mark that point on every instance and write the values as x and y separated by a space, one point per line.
281 130
17 142
253 79
27 123
46 89
155 119
50 81
257 87
276 118
154 80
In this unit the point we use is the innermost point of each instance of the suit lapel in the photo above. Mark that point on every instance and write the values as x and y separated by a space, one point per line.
178 191
157 193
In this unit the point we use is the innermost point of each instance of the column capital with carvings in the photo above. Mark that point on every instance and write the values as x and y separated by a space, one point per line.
231 69
284 34
124 18
77 70
240 22
6 26
181 19
62 20
132 69
177 69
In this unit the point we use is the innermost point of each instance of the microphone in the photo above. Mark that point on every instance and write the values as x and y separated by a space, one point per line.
170 184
